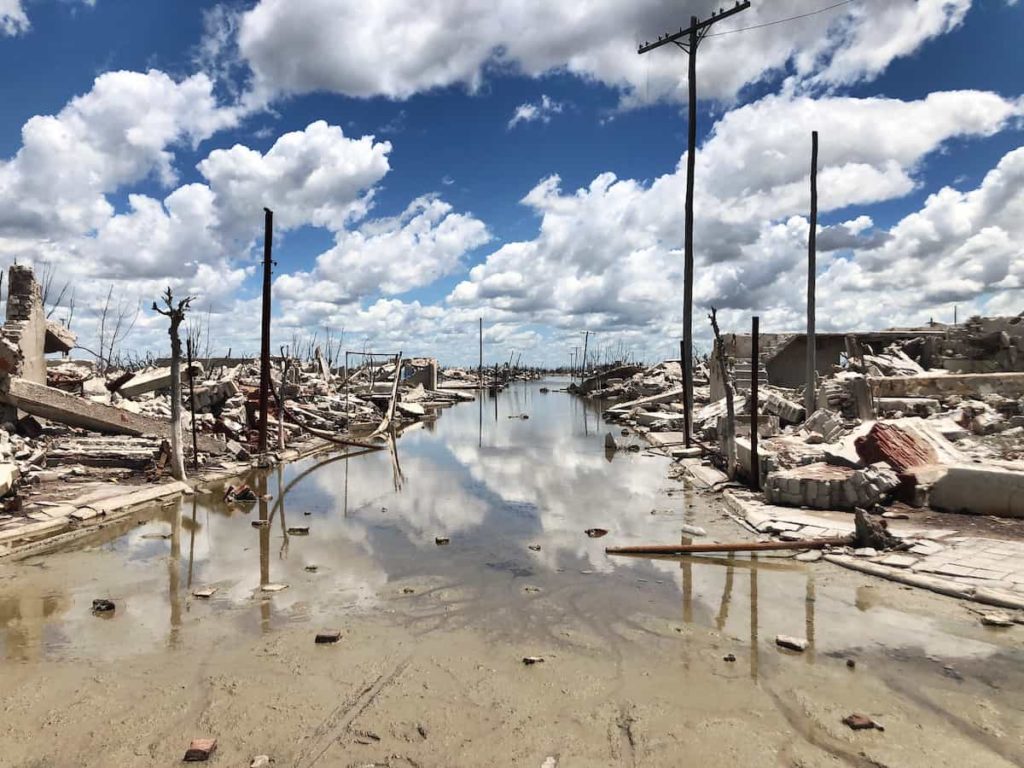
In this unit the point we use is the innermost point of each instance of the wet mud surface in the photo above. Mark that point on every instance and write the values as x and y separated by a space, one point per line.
429 667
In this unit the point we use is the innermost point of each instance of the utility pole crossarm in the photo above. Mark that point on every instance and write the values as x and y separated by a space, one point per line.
696 27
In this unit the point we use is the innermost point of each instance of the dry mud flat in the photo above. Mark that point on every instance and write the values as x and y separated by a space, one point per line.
434 677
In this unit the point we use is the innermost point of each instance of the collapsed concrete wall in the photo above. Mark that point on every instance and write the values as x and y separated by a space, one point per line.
26 322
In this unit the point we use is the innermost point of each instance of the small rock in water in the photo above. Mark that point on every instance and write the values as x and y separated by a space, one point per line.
204 592
859 722
693 530
298 530
531 589
103 605
534 547
996 619
260 523
199 750
408 591
441 540
273 587
596 533
549 762
851 663
625 433
260 761
530 660
312 568
328 636
729 657
798 644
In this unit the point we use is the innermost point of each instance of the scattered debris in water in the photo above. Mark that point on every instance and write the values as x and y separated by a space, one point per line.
102 605
596 533
798 644
328 636
273 587
441 540
298 530
204 592
531 660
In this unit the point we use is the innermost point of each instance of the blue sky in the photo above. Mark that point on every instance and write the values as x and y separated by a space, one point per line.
877 79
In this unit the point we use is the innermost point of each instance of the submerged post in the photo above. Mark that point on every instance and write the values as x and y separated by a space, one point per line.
268 236
755 360
812 277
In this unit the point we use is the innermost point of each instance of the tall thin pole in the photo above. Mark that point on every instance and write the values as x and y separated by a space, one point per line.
480 367
693 35
691 156
192 402
268 237
755 364
812 277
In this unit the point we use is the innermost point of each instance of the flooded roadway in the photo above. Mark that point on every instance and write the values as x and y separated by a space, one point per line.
429 670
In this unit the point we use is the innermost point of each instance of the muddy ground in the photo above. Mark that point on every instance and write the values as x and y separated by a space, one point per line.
429 670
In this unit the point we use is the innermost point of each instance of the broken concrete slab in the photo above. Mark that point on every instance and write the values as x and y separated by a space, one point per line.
942 385
159 378
56 405
58 338
979 489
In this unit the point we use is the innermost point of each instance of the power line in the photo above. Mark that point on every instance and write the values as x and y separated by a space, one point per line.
781 21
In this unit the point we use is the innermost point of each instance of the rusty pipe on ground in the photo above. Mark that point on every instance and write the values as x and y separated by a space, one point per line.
741 546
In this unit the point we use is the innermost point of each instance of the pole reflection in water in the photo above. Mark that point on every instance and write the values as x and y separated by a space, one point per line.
809 605
192 540
753 616
264 512
283 554
174 577
723 608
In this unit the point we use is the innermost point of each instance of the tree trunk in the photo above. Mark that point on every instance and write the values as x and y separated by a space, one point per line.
177 452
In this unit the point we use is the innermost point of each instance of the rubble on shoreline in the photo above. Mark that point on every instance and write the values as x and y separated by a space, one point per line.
908 423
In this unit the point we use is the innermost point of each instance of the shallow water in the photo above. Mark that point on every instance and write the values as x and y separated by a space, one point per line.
494 484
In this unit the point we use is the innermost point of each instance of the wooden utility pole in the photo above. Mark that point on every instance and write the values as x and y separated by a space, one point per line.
268 237
755 364
811 278
692 36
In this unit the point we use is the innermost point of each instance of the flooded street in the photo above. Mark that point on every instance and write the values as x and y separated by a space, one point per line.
429 669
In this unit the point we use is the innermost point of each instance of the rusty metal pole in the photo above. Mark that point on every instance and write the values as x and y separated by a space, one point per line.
268 237
755 362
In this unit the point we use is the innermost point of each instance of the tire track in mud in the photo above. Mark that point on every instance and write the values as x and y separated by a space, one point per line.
342 717
972 732
817 738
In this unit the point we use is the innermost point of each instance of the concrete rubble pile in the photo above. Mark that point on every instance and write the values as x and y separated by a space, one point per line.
65 417
930 417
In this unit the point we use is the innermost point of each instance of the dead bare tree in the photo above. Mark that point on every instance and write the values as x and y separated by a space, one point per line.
114 326
176 314
729 438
